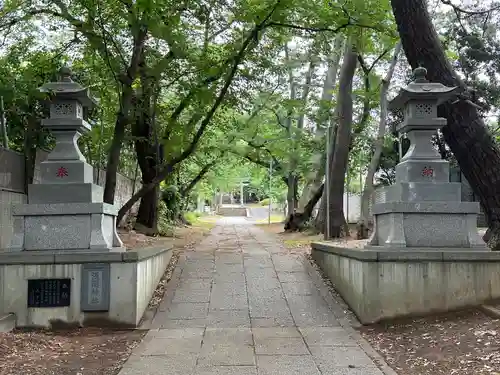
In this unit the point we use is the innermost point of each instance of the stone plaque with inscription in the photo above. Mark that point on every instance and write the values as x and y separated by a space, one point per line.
95 287
49 292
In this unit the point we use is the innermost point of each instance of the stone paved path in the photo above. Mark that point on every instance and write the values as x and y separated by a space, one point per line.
240 305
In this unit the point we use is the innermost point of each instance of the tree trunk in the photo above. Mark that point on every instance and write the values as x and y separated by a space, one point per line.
296 221
122 118
320 220
30 146
291 197
337 223
147 151
379 144
465 133
315 179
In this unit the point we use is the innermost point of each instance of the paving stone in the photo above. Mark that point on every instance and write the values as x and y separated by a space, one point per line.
275 332
262 274
286 365
193 296
258 262
195 256
284 263
172 346
228 258
229 268
202 274
327 336
229 319
339 356
228 336
299 289
229 288
228 302
266 297
293 277
276 321
190 266
177 333
226 370
194 284
230 277
160 365
182 310
280 345
179 323
310 311
351 371
226 355
267 310
261 285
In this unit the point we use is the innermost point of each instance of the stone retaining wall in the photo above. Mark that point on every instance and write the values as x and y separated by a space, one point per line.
133 277
385 284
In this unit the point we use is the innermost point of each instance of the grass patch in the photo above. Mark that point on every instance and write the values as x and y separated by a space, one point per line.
274 219
264 202
201 220
191 216
295 240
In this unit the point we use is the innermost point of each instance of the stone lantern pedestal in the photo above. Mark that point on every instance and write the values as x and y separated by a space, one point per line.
66 262
424 254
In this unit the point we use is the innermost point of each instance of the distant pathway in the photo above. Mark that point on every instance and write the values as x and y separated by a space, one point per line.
240 305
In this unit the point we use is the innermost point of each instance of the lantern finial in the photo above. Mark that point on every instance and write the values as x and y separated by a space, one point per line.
65 74
420 75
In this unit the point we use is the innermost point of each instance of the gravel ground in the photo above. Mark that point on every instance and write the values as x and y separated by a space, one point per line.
86 351
459 343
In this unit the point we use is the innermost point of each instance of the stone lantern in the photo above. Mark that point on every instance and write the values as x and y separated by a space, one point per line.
66 164
65 211
423 209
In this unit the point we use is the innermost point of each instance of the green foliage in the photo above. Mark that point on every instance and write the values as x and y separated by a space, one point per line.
171 198
191 217
165 224
264 202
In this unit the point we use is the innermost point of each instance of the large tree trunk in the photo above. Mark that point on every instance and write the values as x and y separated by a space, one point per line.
123 116
314 180
379 144
291 195
339 160
466 134
296 221
148 153
30 147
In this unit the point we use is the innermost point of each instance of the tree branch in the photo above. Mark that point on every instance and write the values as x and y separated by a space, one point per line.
198 178
456 8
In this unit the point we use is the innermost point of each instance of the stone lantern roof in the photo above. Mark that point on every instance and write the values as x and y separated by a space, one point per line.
421 89
67 89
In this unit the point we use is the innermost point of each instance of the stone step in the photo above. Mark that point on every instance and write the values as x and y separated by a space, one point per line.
7 322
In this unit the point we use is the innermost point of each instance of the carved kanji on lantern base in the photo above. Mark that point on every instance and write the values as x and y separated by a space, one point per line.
423 209
62 172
